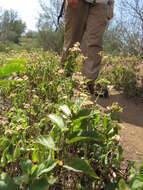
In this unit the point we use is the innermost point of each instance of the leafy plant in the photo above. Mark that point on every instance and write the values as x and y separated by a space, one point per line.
50 137
123 73
135 181
13 66
88 137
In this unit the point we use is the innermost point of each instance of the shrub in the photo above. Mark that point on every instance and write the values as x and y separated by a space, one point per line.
123 73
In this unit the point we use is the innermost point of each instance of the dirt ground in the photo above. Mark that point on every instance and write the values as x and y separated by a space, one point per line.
131 125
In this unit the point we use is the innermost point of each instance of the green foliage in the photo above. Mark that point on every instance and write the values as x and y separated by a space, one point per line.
11 27
50 35
28 42
50 40
135 181
48 140
80 165
122 38
123 73
12 66
6 183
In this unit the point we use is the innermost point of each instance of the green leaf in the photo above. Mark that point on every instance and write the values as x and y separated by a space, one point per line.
79 103
37 169
22 179
46 141
3 159
44 168
82 114
34 170
97 117
41 184
52 180
7 183
13 66
27 166
58 121
7 83
137 184
78 139
132 174
123 185
3 185
65 109
47 170
105 121
141 172
96 135
16 153
35 156
79 165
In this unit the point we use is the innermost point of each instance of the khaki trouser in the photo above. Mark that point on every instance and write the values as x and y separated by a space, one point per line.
86 24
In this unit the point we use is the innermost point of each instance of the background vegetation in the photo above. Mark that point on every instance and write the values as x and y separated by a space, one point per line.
123 35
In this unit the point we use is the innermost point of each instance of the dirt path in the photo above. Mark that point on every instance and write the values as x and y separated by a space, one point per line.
131 125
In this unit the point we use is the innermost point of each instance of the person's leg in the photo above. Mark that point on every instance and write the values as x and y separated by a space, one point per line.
93 40
75 21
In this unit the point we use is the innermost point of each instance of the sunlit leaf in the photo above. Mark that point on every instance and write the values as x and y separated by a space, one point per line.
46 141
52 180
137 184
78 139
13 66
123 185
47 170
35 156
65 109
16 153
79 165
58 121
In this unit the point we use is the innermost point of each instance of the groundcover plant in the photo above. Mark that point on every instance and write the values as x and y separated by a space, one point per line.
50 138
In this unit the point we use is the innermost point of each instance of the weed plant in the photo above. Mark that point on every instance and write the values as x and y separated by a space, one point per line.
123 73
49 141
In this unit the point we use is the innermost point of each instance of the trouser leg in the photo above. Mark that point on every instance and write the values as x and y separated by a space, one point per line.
75 22
93 40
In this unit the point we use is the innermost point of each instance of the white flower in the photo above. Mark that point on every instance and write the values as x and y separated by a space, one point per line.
116 138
